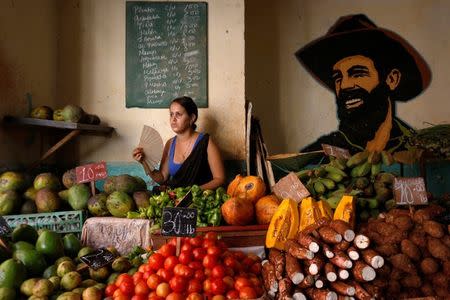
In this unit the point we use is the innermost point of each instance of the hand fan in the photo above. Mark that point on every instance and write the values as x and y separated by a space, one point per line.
152 146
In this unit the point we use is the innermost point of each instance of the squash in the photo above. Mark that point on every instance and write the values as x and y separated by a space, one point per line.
238 211
346 210
265 208
251 187
283 226
309 213
325 209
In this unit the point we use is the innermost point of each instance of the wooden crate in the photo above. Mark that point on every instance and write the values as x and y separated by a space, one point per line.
234 236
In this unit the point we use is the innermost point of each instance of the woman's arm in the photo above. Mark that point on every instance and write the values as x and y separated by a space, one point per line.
161 175
216 166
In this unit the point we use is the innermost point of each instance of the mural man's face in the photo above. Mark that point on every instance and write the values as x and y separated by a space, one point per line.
358 89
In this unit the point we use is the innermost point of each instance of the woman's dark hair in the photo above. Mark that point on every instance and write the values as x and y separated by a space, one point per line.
190 107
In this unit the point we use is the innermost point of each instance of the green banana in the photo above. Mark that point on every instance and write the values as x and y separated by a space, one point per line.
357 159
361 170
319 187
335 177
328 183
333 169
339 163
376 169
387 158
304 174
320 172
374 157
310 187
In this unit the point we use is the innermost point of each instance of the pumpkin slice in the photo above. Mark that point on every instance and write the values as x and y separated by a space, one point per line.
325 210
309 213
283 226
345 210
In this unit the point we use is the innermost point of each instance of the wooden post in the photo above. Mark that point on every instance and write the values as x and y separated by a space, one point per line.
93 187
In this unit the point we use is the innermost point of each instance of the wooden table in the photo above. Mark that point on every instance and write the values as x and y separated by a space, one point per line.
74 129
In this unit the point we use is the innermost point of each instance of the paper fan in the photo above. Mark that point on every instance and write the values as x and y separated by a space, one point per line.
152 146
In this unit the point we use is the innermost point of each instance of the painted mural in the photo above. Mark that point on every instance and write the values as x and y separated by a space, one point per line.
369 69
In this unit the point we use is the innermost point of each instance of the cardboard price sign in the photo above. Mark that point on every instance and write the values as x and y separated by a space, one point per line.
4 227
336 151
409 191
91 172
290 187
179 221
98 259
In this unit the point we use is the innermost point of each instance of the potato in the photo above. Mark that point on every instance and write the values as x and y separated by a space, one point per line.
433 229
429 266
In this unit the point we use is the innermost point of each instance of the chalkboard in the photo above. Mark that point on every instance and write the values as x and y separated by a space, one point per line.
166 53
4 227
290 187
179 221
98 259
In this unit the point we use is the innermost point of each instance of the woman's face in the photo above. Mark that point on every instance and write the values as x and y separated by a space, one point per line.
179 118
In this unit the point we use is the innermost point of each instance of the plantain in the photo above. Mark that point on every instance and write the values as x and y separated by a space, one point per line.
361 170
374 157
310 187
319 187
332 169
320 172
304 174
335 177
375 170
339 163
361 182
328 183
387 158
357 159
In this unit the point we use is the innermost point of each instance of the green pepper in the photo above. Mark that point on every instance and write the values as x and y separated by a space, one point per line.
133 215
214 217
150 212
196 190
207 193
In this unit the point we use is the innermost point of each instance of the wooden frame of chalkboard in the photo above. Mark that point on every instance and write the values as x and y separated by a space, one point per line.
166 53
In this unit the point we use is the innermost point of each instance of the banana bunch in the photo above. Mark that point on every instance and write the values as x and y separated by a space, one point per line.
360 176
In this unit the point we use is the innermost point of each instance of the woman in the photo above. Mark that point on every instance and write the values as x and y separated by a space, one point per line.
189 157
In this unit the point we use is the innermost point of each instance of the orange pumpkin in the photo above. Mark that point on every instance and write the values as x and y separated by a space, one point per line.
265 208
250 187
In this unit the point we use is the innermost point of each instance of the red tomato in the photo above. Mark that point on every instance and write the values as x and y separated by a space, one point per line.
199 253
199 275
167 250
163 290
218 297
239 255
118 294
137 276
155 297
214 250
156 261
139 297
209 261
144 267
141 288
172 241
196 265
187 272
170 262
247 293
153 281
194 296
232 294
178 284
241 282
256 268
109 290
255 281
221 244
123 278
207 272
207 285
229 282
185 257
177 270
218 287
127 287
186 247
211 235
146 275
165 274
208 243
175 296
229 271
196 241
259 290
248 261
218 271
194 286
230 262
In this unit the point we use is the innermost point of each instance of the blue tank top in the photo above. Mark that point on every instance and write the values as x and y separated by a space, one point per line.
174 167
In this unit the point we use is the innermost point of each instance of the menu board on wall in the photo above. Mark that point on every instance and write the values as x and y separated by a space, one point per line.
166 53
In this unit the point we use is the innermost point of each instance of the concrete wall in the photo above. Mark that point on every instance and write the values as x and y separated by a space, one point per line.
91 72
293 107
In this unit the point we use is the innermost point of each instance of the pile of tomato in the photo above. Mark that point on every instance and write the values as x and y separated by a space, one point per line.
204 269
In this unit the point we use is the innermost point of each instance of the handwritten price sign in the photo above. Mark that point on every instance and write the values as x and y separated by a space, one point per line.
290 187
98 259
335 151
178 221
91 172
4 227
410 191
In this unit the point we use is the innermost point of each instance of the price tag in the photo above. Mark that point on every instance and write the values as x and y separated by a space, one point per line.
290 187
179 221
4 227
409 191
336 151
91 172
98 259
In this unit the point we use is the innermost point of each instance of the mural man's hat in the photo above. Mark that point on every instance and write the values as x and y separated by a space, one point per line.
358 35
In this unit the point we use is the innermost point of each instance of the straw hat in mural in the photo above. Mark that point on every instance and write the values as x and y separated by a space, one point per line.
358 35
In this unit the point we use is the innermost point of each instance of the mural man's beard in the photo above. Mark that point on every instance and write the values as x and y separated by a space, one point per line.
360 113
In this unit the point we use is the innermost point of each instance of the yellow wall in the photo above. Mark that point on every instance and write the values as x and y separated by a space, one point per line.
294 109
92 73
28 51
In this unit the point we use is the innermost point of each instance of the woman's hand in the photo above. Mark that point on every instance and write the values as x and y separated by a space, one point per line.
138 154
